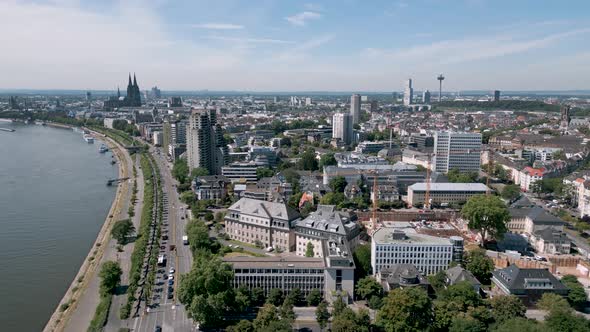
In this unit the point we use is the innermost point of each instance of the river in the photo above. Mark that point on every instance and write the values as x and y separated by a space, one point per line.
53 202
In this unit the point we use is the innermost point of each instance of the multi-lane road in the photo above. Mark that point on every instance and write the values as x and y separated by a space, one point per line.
167 313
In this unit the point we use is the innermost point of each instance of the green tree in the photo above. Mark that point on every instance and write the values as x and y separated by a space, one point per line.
241 326
505 307
479 264
576 295
110 276
564 319
375 302
407 309
295 296
243 298
466 324
327 159
349 321
199 171
456 176
487 214
438 281
308 160
520 325
322 315
263 172
461 293
368 287
309 250
511 192
333 198
198 235
314 297
188 197
121 230
180 170
267 314
362 260
338 306
275 296
551 301
338 184
257 296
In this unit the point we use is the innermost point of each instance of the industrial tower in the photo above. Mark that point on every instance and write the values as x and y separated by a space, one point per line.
440 79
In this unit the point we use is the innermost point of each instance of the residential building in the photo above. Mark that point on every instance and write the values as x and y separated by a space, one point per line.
157 138
529 220
259 222
445 193
408 93
457 274
355 108
551 241
342 128
326 224
210 187
205 143
454 150
430 254
530 175
401 276
528 285
374 147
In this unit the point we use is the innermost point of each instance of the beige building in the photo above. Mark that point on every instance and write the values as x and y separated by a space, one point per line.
445 193
269 223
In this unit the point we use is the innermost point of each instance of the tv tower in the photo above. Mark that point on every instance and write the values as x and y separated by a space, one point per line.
440 79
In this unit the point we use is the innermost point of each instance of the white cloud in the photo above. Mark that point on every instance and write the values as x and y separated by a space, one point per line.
250 40
302 18
301 51
218 26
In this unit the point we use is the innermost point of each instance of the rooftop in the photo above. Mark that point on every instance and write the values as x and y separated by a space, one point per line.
327 219
387 235
275 262
265 209
441 186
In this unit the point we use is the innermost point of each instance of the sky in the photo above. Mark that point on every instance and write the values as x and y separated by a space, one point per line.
295 45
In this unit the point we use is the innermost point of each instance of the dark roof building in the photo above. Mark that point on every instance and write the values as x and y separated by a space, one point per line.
527 284
401 276
458 274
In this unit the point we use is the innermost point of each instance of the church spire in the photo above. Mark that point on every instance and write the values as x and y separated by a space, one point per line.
134 80
129 79
118 92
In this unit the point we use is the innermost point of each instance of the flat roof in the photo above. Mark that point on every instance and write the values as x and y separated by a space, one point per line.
384 236
448 186
270 262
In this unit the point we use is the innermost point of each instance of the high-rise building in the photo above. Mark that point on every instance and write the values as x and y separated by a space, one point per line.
426 97
355 108
461 151
496 95
156 93
13 103
408 93
342 127
308 101
205 143
374 106
565 116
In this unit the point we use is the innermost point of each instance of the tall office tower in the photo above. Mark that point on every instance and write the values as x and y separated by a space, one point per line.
461 151
88 96
426 97
565 116
205 144
374 106
308 101
355 108
342 127
496 95
408 93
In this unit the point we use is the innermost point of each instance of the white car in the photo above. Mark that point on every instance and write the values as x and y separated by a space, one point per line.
172 270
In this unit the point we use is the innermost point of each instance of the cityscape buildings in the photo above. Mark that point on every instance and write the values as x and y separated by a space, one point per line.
342 127
205 144
457 150
355 108
408 93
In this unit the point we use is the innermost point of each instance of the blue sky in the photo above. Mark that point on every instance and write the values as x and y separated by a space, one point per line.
283 45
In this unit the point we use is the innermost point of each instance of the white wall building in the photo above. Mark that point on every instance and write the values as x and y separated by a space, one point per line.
408 93
342 127
453 150
355 108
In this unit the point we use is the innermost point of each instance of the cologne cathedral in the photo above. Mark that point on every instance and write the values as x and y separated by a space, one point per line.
132 99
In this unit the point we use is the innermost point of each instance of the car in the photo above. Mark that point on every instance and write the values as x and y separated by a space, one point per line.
158 329
172 270
171 276
270 249
170 282
170 296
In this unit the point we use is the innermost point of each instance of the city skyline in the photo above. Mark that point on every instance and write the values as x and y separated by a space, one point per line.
295 46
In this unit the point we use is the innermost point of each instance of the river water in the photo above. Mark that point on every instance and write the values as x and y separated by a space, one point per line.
53 202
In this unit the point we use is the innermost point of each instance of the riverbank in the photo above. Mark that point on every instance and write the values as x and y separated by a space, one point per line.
79 285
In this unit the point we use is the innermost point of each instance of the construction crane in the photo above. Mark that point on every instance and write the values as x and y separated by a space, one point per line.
427 193
490 170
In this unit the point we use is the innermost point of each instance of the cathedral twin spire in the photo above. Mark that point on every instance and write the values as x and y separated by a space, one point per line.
133 98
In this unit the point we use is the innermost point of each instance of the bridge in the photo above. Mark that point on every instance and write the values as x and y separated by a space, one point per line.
113 181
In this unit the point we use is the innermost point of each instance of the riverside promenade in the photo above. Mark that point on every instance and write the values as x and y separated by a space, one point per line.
82 296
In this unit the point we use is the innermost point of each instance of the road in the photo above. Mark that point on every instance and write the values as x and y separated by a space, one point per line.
168 313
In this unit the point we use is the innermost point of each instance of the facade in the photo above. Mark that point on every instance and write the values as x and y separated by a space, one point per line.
550 241
408 93
205 144
429 254
529 220
242 171
458 274
496 95
530 175
355 108
210 187
332 274
259 222
342 127
461 151
445 193
326 224
528 285
157 138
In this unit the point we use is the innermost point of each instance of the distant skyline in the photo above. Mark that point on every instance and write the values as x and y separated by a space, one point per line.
279 45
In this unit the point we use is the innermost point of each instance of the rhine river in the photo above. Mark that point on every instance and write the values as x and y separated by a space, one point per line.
53 202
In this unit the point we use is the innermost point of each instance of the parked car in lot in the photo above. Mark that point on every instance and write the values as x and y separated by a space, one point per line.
170 282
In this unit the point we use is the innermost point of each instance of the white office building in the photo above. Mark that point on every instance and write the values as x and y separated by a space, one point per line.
453 150
355 108
430 254
426 97
342 127
408 92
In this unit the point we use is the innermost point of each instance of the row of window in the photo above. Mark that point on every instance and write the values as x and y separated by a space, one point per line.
281 271
413 255
403 248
